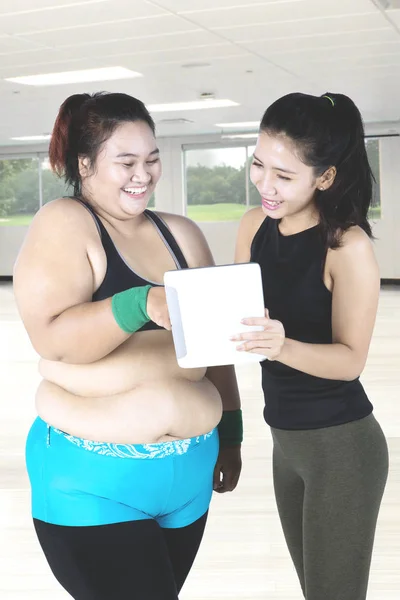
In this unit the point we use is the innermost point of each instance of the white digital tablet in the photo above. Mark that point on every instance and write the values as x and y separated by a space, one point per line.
206 306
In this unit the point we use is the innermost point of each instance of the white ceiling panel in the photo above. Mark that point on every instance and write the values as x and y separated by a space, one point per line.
225 69
185 6
187 55
62 18
9 44
335 54
287 11
349 63
180 55
10 64
135 46
376 63
52 65
67 16
19 6
311 45
394 16
349 69
113 30
295 29
43 62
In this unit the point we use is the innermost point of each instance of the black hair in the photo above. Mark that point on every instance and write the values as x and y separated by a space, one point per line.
84 123
328 131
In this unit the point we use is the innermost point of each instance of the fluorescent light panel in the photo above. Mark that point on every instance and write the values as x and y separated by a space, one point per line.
83 76
240 136
194 105
32 138
243 124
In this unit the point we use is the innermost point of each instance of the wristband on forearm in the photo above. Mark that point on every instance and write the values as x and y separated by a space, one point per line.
230 428
129 308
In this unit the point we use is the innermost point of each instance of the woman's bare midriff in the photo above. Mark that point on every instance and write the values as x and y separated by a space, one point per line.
137 394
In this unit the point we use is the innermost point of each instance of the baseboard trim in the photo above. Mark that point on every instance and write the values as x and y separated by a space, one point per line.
390 281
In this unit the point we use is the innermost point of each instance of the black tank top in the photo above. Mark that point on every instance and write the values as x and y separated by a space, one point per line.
295 294
119 276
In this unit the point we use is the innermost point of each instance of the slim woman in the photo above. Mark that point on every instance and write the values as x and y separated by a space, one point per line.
312 239
124 456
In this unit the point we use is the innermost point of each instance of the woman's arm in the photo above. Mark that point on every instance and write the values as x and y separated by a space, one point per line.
355 296
224 379
54 282
229 463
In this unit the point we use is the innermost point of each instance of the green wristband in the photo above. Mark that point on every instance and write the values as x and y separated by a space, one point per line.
230 428
129 308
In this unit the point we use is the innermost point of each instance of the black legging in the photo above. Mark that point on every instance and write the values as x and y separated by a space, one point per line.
125 561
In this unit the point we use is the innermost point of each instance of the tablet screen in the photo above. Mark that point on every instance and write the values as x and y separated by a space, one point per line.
206 306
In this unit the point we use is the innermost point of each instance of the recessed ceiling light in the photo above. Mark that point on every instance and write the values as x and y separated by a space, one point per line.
241 136
195 105
196 65
83 76
32 138
175 121
242 124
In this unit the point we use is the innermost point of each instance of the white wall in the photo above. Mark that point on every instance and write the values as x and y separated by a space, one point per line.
11 239
220 235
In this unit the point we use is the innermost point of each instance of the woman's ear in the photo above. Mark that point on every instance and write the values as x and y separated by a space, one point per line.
325 180
84 166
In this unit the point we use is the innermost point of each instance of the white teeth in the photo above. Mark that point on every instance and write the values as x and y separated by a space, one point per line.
136 191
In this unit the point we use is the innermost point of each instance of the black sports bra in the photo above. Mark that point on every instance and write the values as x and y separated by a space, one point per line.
119 276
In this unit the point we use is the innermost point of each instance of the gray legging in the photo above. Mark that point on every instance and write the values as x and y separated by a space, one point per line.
328 486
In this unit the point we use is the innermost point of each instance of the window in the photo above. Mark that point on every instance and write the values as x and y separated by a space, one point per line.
372 146
19 190
52 186
216 183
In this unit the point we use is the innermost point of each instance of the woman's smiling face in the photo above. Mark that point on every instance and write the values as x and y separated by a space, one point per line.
286 185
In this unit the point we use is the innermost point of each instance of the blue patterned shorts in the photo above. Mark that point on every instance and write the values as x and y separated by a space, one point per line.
79 482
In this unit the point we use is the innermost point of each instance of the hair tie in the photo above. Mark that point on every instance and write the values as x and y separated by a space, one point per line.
330 100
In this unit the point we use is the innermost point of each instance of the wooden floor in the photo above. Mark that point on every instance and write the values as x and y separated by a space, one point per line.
243 556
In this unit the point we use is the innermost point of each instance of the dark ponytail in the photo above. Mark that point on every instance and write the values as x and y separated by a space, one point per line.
328 131
61 153
84 123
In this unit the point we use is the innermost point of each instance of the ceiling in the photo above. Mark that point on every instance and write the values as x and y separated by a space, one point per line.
248 51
